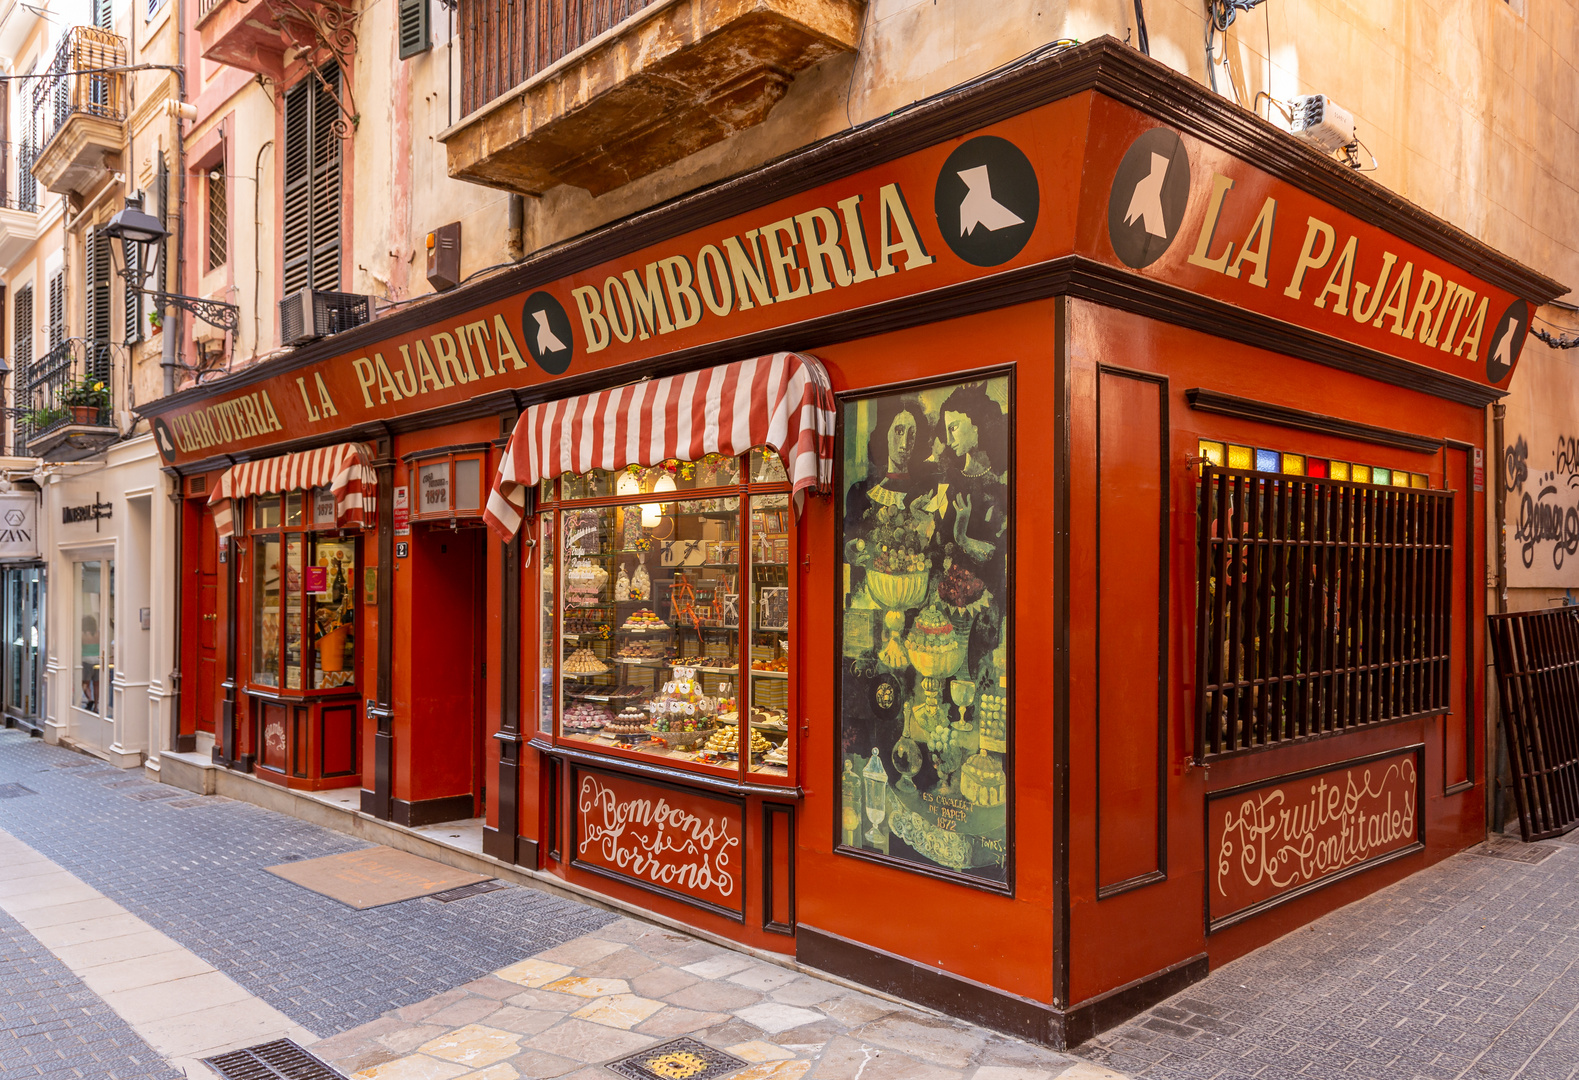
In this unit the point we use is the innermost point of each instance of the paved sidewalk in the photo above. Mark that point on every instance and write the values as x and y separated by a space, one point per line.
1469 969
631 986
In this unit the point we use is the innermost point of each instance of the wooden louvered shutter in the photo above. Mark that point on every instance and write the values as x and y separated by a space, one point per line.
103 14
415 35
132 309
97 274
163 185
22 336
326 184
298 187
57 309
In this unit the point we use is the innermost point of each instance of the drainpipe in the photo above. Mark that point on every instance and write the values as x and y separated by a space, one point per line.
1498 412
515 241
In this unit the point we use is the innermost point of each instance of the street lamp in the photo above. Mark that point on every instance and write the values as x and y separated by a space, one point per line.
134 227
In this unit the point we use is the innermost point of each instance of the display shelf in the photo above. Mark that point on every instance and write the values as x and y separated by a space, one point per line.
759 674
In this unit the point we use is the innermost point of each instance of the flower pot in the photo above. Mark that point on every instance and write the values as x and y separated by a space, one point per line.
84 414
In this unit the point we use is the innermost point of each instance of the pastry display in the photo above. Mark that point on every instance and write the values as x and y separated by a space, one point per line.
630 724
587 623
780 664
641 650
644 619
727 741
585 716
583 662
982 780
769 719
779 755
584 581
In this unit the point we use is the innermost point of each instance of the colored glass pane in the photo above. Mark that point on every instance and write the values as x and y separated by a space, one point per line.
1240 457
1315 466
1400 478
1381 476
1339 470
1362 474
1294 464
1213 452
1266 460
1419 480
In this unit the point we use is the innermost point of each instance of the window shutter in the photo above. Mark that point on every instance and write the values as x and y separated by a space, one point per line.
298 187
22 336
104 14
415 35
57 309
326 184
312 185
132 309
162 183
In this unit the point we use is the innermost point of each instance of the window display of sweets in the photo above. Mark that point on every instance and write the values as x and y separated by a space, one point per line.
584 662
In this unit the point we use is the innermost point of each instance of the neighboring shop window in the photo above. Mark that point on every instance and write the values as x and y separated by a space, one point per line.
95 587
925 716
1323 599
675 588
303 594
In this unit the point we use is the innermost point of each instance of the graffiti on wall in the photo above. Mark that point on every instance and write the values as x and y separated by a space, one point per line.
1543 506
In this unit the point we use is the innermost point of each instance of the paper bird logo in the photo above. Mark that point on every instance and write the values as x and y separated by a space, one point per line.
979 207
1146 202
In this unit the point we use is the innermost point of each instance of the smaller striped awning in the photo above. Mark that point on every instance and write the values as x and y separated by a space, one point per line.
783 401
345 469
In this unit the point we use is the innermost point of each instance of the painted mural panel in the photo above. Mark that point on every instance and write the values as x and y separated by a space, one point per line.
925 717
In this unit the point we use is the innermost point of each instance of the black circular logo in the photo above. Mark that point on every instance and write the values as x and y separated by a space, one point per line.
549 337
986 201
1507 341
166 443
1150 189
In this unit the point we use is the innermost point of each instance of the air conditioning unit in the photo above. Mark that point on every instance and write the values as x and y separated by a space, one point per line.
1320 122
308 314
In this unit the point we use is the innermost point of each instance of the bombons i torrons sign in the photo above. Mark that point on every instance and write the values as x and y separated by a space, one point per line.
1009 197
1271 841
675 840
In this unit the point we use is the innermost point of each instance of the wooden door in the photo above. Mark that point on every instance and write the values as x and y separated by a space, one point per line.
207 582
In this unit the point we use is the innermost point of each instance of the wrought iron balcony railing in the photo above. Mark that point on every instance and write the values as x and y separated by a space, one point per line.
41 405
18 188
82 80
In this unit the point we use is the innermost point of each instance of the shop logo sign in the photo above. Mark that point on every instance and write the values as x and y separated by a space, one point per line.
1508 341
18 535
986 201
548 334
1146 205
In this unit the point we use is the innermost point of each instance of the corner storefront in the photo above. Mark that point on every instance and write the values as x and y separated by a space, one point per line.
1017 554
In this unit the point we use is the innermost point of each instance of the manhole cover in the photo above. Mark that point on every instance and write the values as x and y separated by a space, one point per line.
679 1059
1502 847
157 793
279 1060
15 791
451 895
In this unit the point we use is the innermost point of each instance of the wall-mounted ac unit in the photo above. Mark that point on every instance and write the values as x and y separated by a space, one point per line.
311 313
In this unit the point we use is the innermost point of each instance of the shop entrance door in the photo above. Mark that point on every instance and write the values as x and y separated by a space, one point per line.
207 622
24 638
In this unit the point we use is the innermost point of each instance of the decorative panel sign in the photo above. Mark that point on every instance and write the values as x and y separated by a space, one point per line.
18 527
669 839
1271 843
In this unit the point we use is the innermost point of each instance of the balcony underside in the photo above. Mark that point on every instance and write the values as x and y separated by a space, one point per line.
18 231
84 149
254 36
673 80
72 442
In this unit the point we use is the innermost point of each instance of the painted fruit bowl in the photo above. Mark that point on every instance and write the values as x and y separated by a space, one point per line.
937 663
897 592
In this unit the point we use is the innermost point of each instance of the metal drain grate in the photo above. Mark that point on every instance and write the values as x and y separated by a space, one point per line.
1503 847
279 1060
160 792
449 896
677 1058
15 791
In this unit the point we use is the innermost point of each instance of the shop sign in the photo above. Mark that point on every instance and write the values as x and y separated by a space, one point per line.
94 512
402 510
1143 199
433 488
1270 843
18 527
657 836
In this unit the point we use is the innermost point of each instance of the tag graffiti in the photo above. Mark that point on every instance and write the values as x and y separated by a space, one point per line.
1549 507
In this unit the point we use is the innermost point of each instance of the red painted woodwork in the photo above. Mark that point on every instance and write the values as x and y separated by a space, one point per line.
201 640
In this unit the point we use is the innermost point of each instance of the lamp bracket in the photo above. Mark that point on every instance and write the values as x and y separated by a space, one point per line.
216 313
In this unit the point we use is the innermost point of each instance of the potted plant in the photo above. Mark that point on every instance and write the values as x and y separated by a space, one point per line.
87 398
39 419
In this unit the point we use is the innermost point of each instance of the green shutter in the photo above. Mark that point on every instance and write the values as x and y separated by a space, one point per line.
415 34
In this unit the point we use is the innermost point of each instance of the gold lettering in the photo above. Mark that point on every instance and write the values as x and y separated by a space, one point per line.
851 210
683 301
312 413
386 381
1257 245
824 256
593 326
1203 243
1460 302
1425 303
444 345
365 377
476 333
325 402
1471 340
781 261
1399 293
1361 313
647 299
623 325
406 381
1308 259
712 280
748 272
428 379
1336 286
504 341
893 212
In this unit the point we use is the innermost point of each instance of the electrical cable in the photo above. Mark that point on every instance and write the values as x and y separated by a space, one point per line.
1141 37
1554 341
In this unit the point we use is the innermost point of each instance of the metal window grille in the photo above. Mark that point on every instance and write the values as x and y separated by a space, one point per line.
312 184
506 42
1537 655
1321 606
217 220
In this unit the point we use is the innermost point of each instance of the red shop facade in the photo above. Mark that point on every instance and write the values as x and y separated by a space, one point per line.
1017 555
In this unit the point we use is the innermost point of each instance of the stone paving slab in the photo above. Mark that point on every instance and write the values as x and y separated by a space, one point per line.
566 1011
1468 970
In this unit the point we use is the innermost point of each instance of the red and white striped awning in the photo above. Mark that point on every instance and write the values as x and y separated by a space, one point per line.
344 468
783 401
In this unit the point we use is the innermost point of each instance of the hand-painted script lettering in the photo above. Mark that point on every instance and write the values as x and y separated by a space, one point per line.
633 830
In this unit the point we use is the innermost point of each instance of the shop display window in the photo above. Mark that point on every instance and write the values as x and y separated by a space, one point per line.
95 648
925 708
674 614
303 596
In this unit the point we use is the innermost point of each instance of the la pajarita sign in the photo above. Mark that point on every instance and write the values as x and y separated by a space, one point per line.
1023 197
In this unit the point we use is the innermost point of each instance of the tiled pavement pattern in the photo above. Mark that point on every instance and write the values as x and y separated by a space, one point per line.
1468 969
631 985
196 873
53 1026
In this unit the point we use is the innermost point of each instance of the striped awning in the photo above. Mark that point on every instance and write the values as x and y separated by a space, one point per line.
345 469
783 401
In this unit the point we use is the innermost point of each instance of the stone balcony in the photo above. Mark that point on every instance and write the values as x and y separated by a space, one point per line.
79 112
618 103
265 36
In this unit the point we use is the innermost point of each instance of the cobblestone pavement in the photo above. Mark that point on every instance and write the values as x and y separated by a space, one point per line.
196 873
1468 969
51 1025
631 987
